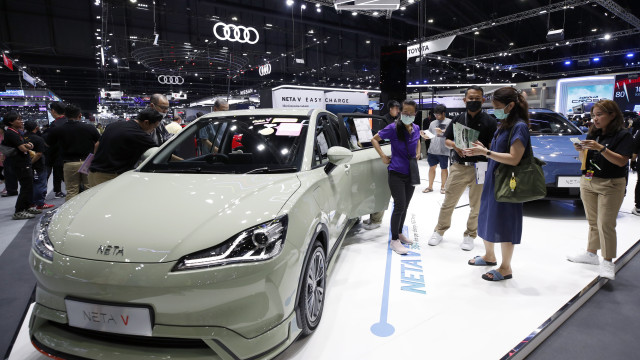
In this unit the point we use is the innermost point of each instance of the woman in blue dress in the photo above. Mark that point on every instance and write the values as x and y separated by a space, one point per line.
501 222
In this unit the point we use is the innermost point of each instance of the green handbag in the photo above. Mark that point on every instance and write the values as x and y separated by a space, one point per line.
521 183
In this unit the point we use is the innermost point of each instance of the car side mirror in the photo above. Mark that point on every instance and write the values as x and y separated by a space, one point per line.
338 155
149 153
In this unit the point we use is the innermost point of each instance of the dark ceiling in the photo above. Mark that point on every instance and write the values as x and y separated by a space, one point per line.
60 41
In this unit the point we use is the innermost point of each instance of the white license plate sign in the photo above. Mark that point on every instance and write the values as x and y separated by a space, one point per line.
569 181
113 319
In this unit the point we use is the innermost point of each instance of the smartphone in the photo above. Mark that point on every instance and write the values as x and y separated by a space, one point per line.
575 140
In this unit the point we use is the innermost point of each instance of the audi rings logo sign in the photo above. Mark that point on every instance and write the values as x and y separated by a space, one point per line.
170 80
264 69
239 33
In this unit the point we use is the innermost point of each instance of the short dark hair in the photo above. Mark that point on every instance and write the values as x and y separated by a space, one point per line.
439 109
219 102
72 111
410 103
30 125
393 103
155 98
10 117
473 87
57 107
152 115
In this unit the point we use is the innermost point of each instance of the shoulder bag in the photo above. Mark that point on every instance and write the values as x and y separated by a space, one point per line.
521 183
414 171
7 151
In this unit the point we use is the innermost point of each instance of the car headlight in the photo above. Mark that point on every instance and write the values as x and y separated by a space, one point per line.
258 243
41 242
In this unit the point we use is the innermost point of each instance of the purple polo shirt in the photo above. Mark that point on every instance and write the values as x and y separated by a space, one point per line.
400 155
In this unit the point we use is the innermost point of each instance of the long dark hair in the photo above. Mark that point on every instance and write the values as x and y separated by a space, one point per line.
520 111
401 129
615 125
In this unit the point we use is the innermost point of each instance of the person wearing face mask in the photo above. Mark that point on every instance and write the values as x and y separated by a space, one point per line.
20 165
404 136
160 103
121 146
501 222
605 156
375 220
462 173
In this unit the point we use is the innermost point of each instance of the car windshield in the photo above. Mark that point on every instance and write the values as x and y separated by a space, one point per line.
235 145
544 123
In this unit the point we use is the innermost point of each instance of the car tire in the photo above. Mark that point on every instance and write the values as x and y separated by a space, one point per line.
313 290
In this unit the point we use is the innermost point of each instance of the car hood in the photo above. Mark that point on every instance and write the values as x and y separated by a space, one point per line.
162 217
555 148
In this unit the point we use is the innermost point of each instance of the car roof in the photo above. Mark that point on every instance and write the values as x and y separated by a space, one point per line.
535 110
261 112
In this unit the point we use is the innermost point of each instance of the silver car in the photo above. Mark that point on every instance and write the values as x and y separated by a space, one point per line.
216 246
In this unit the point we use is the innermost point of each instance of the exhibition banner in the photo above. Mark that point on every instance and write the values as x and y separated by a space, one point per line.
7 62
295 98
580 99
346 98
28 78
429 47
627 92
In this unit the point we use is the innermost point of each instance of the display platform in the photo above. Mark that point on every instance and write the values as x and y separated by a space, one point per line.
430 303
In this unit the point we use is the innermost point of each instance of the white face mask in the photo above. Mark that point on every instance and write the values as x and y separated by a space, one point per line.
407 120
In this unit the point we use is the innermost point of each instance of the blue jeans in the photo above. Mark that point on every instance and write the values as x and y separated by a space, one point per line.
39 187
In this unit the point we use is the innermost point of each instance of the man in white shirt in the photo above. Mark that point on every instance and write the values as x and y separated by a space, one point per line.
174 127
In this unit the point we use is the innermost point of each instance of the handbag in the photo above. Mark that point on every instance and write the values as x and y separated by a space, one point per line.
7 151
521 183
414 171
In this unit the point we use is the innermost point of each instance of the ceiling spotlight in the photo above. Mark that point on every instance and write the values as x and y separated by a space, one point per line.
303 6
430 20
318 9
568 62
596 59
289 2
234 18
607 36
133 1
354 13
630 55
375 13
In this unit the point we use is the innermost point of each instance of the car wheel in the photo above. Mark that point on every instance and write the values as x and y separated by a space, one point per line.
313 290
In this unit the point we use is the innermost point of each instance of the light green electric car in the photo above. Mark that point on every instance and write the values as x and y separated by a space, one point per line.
216 247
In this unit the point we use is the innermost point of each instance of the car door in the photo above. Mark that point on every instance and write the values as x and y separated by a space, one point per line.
332 193
369 186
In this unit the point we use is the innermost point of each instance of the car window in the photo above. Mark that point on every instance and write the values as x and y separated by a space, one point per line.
551 124
325 138
235 144
360 131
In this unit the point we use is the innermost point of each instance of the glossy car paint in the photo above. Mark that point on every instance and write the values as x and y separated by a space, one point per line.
239 310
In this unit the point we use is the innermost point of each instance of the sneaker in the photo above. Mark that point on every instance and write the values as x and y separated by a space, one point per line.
371 226
405 240
397 246
584 257
635 211
45 207
607 270
34 210
23 215
435 239
467 243
60 195
366 222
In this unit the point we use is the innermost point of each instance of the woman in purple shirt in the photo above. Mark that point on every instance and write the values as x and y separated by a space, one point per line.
404 136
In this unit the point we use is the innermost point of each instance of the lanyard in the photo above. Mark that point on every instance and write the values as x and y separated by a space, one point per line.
15 131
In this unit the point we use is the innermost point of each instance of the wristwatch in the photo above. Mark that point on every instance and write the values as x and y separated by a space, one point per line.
488 153
604 148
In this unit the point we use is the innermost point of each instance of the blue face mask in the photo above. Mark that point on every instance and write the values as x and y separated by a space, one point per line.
406 119
500 114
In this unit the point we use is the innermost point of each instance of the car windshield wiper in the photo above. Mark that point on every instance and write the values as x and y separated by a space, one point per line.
272 170
196 170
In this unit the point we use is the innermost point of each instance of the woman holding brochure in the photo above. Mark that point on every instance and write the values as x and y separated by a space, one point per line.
501 222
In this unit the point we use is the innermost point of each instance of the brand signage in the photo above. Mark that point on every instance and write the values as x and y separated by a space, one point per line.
239 33
429 47
264 69
179 96
12 93
170 80
294 98
28 78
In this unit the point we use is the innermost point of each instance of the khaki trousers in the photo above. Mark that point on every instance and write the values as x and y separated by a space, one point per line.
460 177
97 178
376 218
602 199
73 179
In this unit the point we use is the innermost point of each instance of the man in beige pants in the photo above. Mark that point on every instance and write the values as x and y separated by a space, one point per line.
463 171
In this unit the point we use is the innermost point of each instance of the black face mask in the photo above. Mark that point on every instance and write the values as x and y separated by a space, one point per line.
474 106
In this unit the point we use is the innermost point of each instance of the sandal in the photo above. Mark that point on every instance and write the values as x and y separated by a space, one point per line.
496 276
479 261
427 190
442 191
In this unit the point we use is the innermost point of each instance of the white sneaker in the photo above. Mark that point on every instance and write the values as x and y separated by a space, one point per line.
607 270
584 257
405 240
635 211
467 243
371 226
435 239
397 246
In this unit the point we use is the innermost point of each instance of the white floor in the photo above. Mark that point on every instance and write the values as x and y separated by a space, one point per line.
455 314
